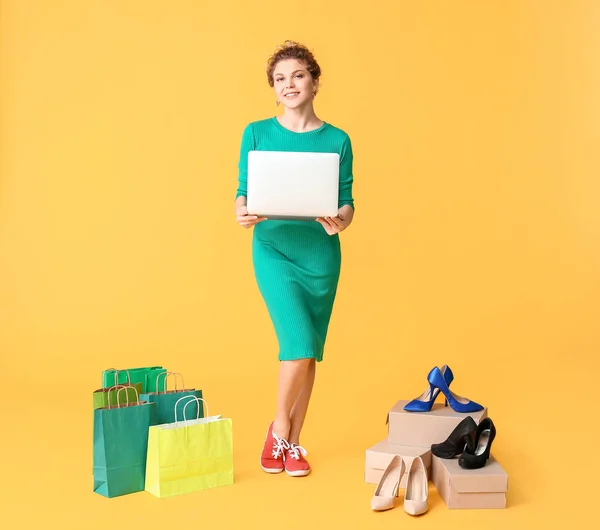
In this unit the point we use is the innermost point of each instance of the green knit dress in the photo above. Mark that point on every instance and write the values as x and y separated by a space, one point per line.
296 263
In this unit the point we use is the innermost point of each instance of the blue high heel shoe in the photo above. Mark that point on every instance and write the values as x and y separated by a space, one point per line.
458 403
425 401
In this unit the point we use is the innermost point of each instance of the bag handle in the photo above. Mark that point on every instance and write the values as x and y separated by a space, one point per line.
117 375
176 387
120 389
167 375
114 388
103 372
192 399
137 395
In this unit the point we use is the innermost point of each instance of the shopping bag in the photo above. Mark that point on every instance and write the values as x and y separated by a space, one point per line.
166 399
121 446
189 455
145 375
108 395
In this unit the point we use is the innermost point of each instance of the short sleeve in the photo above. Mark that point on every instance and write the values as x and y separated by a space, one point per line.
346 175
246 147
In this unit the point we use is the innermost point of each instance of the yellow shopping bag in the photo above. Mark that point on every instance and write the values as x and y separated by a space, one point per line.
189 455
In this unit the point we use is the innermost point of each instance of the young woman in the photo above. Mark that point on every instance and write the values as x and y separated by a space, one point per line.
296 263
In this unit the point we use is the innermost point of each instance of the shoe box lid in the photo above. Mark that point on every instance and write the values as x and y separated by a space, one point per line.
422 429
378 456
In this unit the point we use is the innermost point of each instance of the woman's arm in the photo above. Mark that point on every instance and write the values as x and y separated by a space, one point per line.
239 202
334 225
346 214
241 211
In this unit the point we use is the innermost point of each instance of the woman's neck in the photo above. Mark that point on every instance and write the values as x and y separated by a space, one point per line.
300 120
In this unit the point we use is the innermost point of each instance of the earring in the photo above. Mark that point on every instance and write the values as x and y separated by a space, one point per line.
277 103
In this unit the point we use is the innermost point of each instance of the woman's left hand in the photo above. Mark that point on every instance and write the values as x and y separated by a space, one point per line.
334 225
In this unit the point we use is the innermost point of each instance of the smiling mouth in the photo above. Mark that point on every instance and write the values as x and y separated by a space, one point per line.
292 95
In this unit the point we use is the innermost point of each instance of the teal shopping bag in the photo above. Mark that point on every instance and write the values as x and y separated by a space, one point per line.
167 406
145 375
121 446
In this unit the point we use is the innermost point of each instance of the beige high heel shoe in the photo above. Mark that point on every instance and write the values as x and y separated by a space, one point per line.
387 488
417 491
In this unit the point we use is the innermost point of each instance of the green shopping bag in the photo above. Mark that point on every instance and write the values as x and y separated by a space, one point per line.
189 455
166 400
121 446
108 395
145 375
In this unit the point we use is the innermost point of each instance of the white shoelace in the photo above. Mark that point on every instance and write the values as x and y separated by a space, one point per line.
295 450
279 446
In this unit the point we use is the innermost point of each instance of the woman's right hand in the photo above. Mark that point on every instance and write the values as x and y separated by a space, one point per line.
245 220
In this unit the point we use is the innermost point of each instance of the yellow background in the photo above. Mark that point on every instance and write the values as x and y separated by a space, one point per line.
475 127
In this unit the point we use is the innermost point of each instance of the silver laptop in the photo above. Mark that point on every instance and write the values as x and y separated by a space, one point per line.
292 185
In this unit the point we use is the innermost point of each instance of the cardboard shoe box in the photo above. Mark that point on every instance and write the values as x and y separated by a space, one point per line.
470 488
378 457
421 429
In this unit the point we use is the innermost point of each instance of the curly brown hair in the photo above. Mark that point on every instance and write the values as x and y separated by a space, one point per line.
293 50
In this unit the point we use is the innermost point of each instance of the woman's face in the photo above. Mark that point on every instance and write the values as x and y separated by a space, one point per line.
293 84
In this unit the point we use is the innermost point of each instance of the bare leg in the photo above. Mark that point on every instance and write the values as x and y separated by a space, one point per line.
292 376
301 405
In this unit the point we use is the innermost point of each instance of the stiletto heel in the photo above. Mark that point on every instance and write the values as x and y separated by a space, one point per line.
417 493
476 456
425 401
461 437
387 488
458 403
445 402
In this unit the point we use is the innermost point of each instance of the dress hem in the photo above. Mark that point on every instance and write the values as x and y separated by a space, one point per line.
299 357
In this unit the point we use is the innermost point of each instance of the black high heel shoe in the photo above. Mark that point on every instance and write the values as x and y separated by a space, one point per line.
462 436
476 456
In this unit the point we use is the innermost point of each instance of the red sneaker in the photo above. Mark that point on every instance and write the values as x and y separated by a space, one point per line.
295 463
271 459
